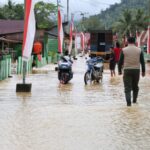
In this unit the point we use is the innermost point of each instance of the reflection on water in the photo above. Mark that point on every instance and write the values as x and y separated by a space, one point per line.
73 116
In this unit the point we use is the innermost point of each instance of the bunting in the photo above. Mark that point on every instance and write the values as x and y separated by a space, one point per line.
148 41
82 41
60 33
29 30
138 39
71 34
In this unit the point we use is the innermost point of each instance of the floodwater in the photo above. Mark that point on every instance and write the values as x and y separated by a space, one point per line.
73 116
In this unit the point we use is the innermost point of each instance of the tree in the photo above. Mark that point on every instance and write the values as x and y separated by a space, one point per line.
140 20
45 14
91 23
12 11
130 22
125 23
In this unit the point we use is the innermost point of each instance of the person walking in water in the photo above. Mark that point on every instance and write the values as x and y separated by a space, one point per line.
130 59
112 61
117 51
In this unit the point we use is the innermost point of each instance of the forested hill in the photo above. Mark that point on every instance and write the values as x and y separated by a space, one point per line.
114 12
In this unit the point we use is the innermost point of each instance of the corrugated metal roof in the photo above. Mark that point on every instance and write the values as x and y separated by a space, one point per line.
11 26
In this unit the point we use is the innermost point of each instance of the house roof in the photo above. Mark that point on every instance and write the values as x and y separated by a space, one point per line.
17 26
11 26
53 31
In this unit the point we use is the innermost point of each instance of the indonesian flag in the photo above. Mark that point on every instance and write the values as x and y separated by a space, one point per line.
82 41
125 41
60 33
71 34
115 37
75 43
148 41
29 30
138 39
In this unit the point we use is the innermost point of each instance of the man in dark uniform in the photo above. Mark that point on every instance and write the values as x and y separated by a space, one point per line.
130 59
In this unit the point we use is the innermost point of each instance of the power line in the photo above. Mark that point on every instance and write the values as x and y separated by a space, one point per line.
101 3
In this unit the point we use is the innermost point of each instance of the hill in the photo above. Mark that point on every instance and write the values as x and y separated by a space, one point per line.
114 12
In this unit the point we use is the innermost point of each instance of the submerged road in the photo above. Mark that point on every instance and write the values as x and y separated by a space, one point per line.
73 116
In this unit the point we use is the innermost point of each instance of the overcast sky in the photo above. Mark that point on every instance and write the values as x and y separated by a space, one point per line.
85 6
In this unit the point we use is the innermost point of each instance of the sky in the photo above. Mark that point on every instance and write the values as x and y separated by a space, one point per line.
87 7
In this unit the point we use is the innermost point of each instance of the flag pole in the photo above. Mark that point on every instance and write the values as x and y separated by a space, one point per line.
24 87
60 31
24 62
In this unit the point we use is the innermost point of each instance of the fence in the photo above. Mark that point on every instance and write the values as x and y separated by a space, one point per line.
5 67
41 63
20 65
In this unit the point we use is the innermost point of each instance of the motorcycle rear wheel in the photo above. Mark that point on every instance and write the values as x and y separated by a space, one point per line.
64 78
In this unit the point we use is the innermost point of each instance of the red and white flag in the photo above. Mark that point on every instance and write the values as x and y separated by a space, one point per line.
124 41
71 34
82 41
75 43
29 30
138 39
148 41
60 33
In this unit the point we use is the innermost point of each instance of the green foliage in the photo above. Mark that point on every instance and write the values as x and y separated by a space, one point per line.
91 23
112 14
130 22
12 11
126 17
45 14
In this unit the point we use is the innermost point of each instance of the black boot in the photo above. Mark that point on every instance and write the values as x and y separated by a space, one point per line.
135 95
128 98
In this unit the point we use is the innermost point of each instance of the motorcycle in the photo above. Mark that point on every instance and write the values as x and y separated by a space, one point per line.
65 73
94 70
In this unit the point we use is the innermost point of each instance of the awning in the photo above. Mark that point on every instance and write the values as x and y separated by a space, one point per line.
9 40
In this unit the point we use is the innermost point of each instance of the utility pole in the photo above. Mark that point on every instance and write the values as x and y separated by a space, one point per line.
57 3
67 10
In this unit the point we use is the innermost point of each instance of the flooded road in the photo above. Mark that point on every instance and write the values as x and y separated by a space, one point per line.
73 116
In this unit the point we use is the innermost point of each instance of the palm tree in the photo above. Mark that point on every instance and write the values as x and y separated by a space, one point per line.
130 22
139 20
125 24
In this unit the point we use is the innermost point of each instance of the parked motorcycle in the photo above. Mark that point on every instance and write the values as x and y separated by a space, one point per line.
94 70
65 73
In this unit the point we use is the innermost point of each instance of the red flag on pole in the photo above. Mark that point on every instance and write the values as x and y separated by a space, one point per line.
60 32
82 41
29 30
71 34
148 41
138 39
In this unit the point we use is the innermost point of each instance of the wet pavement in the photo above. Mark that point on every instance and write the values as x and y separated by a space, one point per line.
73 116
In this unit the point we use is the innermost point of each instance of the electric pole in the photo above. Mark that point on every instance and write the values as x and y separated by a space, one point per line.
67 10
57 3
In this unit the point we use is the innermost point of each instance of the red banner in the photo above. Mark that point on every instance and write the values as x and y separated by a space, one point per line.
148 41
60 32
29 30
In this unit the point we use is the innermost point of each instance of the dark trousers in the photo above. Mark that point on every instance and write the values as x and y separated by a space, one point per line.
131 80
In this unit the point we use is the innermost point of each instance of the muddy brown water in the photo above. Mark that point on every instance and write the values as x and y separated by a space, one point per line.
73 116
